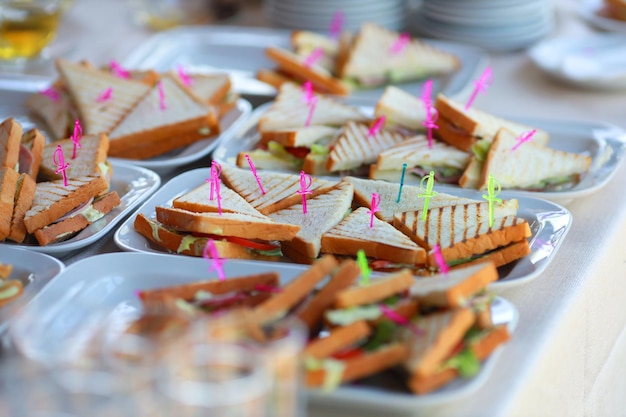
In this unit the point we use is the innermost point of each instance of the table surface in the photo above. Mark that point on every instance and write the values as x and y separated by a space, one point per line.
565 356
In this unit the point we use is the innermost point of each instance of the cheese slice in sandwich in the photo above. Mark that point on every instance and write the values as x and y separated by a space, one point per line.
462 232
8 185
281 189
31 152
530 165
357 146
323 212
74 222
86 84
389 204
199 200
91 158
290 110
382 241
10 139
152 123
24 196
372 61
401 109
447 162
462 127
53 199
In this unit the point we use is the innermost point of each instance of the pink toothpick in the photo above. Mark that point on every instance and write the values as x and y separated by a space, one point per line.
305 183
399 319
76 137
481 86
378 124
184 78
400 43
51 93
441 263
59 161
216 171
336 25
431 117
212 256
256 176
312 105
105 95
427 91
118 71
307 89
375 206
313 57
524 137
161 96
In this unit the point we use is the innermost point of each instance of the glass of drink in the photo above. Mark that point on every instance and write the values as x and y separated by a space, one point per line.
27 27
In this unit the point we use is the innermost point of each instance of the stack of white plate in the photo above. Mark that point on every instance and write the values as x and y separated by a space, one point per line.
497 25
318 15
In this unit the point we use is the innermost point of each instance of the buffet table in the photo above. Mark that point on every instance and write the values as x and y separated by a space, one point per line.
569 347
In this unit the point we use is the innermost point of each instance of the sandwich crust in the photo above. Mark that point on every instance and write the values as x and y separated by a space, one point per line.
10 139
337 340
377 290
8 185
24 195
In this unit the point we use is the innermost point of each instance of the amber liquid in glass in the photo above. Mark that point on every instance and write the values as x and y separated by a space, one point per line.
25 29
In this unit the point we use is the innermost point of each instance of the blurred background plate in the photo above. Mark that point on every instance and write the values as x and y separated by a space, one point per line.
593 12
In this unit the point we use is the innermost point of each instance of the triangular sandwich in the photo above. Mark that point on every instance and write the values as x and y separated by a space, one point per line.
199 200
401 109
90 158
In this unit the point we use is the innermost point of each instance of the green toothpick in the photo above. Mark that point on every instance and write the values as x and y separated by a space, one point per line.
361 260
428 193
493 189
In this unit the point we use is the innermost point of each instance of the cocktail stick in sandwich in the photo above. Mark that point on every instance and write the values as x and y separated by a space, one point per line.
401 109
181 120
281 189
447 162
388 192
58 212
86 85
530 165
295 291
323 212
91 158
358 146
462 232
378 56
380 242
462 127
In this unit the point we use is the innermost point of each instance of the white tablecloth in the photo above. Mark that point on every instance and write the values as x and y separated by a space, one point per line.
568 353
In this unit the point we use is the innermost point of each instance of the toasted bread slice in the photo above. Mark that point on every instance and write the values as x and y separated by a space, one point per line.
53 199
356 146
309 40
477 124
31 152
275 78
389 204
24 196
290 110
321 78
529 164
199 200
90 158
10 139
56 113
378 290
65 229
382 241
323 212
8 185
500 256
187 244
226 224
153 120
371 60
401 109
337 340
86 84
281 189
303 136
209 88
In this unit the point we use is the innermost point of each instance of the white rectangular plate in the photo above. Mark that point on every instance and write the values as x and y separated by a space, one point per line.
108 285
241 52
604 143
134 185
548 221
34 270
13 94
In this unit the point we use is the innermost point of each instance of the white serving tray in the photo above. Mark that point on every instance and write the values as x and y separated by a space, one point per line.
241 52
108 283
604 143
549 223
134 185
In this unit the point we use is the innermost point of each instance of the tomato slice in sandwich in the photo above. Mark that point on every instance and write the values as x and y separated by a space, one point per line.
299 151
348 353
